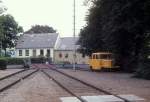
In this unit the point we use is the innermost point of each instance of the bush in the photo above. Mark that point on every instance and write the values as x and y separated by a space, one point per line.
3 63
144 70
20 61
38 60
15 61
63 62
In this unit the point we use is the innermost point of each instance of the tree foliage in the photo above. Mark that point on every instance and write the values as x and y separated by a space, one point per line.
8 31
40 29
118 26
2 8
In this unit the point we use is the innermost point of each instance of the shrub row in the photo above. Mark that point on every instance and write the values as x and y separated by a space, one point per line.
3 63
144 70
39 60
20 61
15 61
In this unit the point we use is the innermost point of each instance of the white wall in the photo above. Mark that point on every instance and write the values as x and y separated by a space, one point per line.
17 53
37 52
57 42
52 54
79 58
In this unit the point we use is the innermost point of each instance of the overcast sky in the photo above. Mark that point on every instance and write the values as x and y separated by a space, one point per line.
55 13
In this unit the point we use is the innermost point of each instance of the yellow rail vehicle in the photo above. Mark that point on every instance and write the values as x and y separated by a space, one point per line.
101 60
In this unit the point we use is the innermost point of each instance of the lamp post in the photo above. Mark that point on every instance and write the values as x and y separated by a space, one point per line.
74 34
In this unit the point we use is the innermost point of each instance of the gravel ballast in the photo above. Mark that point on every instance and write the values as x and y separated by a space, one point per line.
8 71
117 83
38 89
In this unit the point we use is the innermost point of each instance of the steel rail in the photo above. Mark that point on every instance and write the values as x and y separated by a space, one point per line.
17 81
90 85
10 75
63 87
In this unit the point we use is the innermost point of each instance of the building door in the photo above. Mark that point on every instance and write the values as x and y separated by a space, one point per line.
41 52
48 53
34 53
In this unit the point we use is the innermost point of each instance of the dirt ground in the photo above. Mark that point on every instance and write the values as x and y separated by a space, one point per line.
118 83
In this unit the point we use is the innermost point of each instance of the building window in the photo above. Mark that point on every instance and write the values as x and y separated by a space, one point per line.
74 56
66 56
94 57
48 52
27 52
34 53
20 52
83 55
41 52
60 55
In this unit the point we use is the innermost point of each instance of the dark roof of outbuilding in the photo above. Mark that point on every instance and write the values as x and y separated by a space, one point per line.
67 43
28 41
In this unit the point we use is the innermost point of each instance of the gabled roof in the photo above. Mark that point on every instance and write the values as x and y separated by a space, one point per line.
67 43
46 40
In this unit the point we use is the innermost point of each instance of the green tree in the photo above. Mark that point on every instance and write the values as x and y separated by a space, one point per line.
40 29
118 26
9 30
143 70
2 9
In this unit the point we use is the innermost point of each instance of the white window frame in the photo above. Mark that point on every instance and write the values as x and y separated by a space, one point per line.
20 52
27 52
34 52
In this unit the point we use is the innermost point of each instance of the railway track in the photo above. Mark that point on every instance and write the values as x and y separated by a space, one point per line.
12 79
7 76
75 86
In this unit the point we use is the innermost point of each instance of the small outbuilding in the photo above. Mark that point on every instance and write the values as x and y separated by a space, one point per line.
64 51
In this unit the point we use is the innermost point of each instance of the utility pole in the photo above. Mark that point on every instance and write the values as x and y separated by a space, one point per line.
74 34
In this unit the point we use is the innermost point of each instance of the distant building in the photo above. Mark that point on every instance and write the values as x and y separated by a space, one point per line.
49 45
35 45
64 51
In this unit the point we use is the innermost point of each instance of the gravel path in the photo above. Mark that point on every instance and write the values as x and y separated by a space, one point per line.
37 89
118 83
8 71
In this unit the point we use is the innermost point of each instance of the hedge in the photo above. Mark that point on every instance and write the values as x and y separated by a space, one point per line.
144 70
3 63
15 61
20 61
39 60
